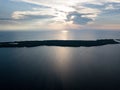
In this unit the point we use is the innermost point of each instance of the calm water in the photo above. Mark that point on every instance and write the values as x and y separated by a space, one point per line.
60 68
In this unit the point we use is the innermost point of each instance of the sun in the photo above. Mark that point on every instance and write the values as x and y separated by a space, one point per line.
64 31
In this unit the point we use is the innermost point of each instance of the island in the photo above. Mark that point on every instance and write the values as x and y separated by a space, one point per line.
63 43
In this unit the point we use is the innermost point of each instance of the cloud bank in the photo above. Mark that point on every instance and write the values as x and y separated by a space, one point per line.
64 12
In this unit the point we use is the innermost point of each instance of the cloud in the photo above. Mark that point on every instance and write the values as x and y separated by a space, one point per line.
82 15
76 5
113 1
65 12
53 3
4 19
8 21
78 18
60 8
110 7
30 15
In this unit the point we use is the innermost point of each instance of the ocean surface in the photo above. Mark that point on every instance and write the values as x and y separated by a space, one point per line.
60 68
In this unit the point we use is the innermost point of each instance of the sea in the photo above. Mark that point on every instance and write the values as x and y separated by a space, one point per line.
60 68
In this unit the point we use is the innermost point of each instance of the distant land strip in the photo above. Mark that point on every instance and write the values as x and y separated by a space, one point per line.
62 43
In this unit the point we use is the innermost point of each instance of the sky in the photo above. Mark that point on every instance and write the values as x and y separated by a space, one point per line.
59 14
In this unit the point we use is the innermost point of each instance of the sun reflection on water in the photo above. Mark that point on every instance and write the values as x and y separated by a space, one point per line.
64 34
62 62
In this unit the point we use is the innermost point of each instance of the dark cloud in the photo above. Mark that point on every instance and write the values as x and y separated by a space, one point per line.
102 6
106 8
29 17
78 18
111 12
94 6
8 22
111 9
5 19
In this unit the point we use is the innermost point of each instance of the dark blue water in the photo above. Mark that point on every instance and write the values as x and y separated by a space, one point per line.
60 68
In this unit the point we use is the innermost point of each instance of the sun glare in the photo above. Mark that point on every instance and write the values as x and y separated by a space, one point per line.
64 31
